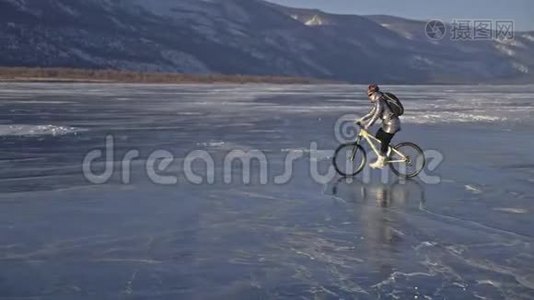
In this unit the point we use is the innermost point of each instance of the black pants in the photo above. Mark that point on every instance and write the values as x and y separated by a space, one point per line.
385 139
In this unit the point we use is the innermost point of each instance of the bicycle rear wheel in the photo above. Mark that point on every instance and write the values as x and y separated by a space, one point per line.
349 159
411 164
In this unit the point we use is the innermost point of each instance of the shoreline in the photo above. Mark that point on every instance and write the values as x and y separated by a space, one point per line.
68 75
107 76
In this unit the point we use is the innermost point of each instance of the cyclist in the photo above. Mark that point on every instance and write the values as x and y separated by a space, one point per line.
390 123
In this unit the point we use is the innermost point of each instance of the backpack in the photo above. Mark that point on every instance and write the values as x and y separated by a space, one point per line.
394 104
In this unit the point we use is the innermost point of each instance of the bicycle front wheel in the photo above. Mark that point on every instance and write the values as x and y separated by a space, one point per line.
349 159
408 162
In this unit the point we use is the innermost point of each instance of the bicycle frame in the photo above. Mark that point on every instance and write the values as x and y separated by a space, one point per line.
374 142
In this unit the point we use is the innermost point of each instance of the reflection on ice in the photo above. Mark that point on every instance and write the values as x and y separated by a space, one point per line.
396 194
449 257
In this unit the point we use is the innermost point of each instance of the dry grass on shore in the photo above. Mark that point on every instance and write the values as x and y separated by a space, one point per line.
87 75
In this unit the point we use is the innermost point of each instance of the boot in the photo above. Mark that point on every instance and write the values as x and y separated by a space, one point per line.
379 163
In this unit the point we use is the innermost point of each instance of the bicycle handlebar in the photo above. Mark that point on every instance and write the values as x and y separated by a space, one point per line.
363 131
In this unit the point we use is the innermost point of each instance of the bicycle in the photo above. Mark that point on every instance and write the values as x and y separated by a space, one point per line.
400 157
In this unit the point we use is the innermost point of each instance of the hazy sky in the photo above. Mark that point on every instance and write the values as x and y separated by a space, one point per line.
521 11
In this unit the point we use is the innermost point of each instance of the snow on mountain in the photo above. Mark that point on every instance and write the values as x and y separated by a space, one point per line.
529 37
246 37
485 60
315 21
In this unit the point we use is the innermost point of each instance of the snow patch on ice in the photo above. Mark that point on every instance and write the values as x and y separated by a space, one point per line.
425 244
511 210
450 117
472 189
37 130
489 282
296 150
211 144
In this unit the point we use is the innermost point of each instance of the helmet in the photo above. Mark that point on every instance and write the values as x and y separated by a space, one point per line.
373 88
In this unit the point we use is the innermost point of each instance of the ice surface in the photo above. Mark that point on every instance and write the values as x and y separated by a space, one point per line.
61 237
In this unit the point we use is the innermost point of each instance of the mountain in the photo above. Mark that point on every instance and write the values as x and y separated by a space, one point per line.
486 60
251 37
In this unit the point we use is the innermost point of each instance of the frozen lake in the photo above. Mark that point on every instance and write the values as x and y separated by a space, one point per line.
469 235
